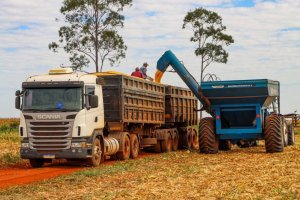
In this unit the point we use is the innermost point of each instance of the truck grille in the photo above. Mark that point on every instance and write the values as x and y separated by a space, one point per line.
50 135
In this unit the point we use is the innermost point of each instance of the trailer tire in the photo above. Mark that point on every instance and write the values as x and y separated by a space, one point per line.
97 153
37 163
208 142
134 146
195 144
187 140
166 144
274 141
157 147
291 136
125 154
175 141
225 145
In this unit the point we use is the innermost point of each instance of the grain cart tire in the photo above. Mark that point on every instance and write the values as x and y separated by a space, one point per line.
274 141
285 132
157 147
187 140
291 140
97 153
36 163
194 145
166 145
208 143
125 154
134 146
175 141
225 145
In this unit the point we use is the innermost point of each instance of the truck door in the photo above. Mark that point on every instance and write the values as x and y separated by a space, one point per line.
93 115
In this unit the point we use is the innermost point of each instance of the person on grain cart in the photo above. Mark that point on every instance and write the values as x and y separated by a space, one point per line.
143 69
137 73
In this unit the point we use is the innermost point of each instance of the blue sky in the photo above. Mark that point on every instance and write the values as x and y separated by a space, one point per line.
266 33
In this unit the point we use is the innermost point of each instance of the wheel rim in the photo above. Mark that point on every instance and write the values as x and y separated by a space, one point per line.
97 152
285 133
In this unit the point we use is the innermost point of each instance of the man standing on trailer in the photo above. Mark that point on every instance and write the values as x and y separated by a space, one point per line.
143 69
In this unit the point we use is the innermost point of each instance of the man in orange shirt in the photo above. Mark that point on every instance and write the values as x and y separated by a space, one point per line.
137 73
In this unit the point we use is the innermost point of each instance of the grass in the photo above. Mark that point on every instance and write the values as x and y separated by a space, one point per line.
239 174
9 145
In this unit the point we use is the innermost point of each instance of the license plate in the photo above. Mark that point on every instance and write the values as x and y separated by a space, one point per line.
49 156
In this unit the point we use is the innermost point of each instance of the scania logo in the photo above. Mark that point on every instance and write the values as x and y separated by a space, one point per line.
48 117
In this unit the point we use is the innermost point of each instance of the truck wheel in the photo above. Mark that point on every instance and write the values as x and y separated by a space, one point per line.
225 145
208 143
291 135
125 154
36 163
285 132
274 141
134 146
166 145
96 158
194 140
175 141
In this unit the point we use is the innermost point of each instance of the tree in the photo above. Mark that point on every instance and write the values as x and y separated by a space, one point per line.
91 33
208 34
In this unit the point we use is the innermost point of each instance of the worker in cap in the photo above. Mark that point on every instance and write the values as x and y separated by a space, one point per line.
137 73
143 70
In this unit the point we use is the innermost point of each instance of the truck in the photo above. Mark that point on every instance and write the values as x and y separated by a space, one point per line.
67 114
241 111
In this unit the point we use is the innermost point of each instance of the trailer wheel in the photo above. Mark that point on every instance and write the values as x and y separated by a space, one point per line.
175 141
194 140
225 145
96 158
187 140
291 135
134 146
166 145
36 163
208 143
125 154
274 141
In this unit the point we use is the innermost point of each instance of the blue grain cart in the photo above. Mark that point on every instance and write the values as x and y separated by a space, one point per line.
242 111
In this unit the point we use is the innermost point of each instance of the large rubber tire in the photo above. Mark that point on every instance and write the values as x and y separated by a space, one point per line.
175 141
97 153
225 145
194 144
125 154
166 145
273 131
36 163
187 140
291 136
208 142
134 146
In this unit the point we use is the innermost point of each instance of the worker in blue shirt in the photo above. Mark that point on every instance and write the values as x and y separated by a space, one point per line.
143 70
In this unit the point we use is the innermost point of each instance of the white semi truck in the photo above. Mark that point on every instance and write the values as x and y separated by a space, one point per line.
74 115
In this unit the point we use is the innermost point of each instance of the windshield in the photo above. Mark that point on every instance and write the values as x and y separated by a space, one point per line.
52 99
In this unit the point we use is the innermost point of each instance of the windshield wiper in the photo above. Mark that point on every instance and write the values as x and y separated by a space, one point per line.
59 109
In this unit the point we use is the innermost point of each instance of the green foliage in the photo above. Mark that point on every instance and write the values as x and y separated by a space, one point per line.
208 34
92 32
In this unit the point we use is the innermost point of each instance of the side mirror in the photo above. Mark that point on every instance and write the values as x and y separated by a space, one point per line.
18 103
18 93
93 100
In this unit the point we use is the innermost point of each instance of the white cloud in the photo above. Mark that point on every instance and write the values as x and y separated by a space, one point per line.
267 42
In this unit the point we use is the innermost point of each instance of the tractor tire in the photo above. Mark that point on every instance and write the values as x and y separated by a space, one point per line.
36 163
175 141
274 141
97 153
208 142
225 145
125 154
134 146
166 145
291 135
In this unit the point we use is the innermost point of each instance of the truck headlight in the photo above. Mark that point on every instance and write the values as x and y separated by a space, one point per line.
25 145
78 145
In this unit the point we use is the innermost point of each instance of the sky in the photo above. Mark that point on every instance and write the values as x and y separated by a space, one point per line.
266 34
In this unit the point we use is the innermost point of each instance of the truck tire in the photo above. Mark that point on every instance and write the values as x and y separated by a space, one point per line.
225 145
291 135
125 154
166 145
194 144
208 142
274 141
97 153
36 163
175 141
134 146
